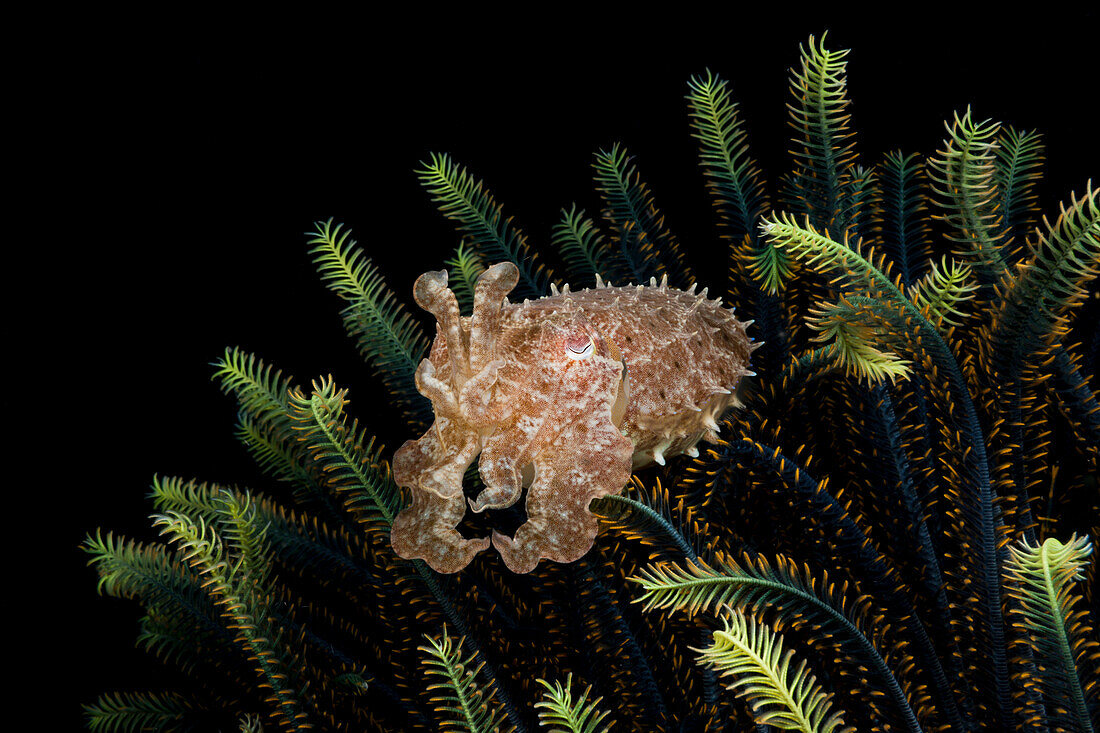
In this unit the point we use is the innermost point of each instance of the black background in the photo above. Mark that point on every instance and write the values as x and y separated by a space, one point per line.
189 168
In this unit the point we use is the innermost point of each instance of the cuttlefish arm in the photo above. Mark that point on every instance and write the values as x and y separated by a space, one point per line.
482 405
432 467
577 451
592 459
427 530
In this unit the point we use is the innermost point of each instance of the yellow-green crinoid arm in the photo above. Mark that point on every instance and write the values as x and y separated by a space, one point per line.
1040 578
782 695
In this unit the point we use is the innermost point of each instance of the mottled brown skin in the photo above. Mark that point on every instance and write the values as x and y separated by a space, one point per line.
566 394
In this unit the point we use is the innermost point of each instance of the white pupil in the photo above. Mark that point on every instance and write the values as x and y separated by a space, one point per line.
574 354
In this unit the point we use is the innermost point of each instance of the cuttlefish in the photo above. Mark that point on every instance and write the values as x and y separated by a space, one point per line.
564 396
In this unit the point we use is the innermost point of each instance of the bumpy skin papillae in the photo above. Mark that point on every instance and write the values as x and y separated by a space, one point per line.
570 392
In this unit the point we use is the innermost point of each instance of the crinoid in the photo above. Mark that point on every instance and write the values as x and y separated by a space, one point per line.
889 530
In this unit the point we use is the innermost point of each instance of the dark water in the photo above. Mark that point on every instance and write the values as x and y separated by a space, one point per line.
198 164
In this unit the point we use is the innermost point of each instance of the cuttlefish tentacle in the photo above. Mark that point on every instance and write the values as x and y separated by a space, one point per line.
588 461
426 530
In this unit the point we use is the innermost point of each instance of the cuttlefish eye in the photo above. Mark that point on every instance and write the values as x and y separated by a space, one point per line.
579 347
